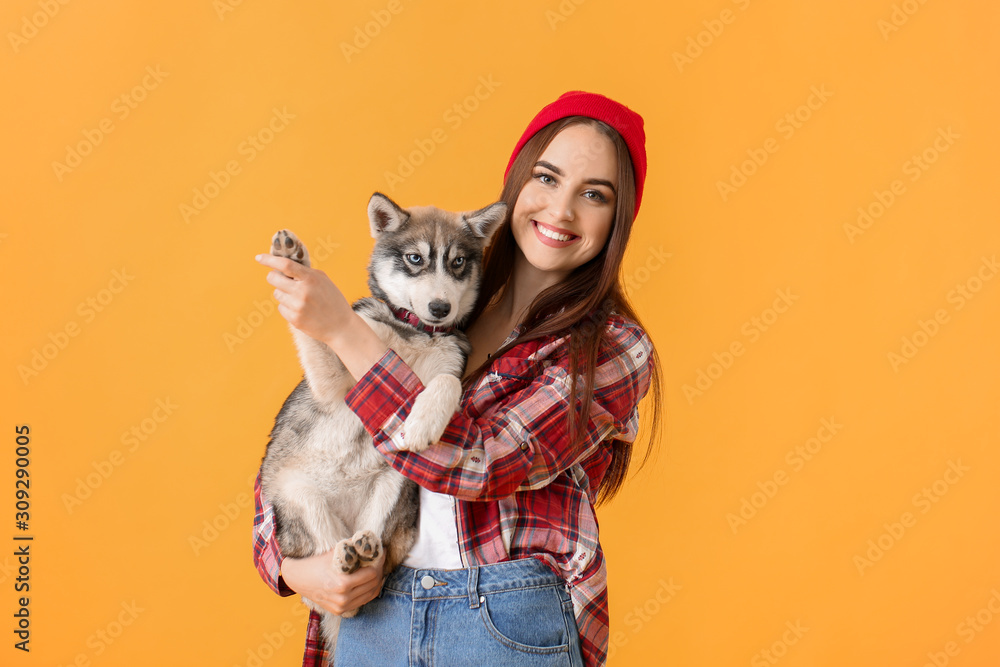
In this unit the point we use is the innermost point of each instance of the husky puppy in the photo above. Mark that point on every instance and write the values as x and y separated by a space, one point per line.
329 486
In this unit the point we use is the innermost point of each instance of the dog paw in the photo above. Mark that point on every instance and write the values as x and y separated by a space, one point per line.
416 436
345 557
286 244
367 545
432 410
356 551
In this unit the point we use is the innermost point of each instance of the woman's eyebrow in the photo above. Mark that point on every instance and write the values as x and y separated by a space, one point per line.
549 166
591 181
601 181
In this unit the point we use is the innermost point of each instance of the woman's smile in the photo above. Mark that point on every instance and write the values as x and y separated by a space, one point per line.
553 236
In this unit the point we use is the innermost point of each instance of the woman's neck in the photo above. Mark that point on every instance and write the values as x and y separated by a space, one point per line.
526 282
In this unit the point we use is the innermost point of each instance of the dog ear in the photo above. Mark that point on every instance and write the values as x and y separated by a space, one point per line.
384 215
486 221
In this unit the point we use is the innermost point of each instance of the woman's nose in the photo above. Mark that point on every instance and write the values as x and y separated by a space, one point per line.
561 206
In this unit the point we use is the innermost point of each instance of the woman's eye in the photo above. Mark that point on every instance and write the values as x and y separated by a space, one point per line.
595 195
545 178
414 258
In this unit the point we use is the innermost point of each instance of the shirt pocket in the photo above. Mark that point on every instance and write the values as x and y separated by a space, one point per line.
514 370
501 384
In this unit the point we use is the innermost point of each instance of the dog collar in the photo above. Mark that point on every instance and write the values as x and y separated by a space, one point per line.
404 315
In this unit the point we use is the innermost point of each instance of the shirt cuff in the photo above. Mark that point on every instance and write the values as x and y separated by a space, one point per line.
388 387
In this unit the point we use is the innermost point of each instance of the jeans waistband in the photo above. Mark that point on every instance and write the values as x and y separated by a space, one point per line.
472 582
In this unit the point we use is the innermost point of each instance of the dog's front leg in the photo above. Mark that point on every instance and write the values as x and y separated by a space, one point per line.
432 410
327 376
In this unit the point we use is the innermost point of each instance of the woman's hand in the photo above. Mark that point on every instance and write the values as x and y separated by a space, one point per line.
308 299
320 580
311 303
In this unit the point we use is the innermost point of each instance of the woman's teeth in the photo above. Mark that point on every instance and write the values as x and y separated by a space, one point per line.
553 235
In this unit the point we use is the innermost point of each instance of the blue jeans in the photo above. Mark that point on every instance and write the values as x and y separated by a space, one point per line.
513 613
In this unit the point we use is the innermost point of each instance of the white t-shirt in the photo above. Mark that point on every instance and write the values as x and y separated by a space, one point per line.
437 543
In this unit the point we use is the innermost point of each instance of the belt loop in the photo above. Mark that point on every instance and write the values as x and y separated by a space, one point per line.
474 587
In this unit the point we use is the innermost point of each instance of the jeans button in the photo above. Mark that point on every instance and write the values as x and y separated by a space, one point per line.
427 582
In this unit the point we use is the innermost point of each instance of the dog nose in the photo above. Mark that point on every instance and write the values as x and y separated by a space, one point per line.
439 308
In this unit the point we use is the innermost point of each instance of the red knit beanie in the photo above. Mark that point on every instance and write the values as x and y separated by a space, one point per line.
578 103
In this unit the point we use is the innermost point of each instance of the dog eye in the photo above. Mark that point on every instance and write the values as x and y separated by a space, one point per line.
414 258
458 261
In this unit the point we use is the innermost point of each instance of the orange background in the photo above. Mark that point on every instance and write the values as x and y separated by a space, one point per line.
183 319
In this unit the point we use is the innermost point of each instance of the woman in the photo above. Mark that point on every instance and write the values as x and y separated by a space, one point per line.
508 568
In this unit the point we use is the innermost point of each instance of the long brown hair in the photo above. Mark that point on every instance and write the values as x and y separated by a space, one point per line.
585 298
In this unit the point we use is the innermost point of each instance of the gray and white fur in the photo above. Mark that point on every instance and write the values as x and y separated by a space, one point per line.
329 487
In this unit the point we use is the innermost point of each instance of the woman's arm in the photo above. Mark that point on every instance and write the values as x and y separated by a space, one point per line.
266 553
522 445
315 577
314 305
319 580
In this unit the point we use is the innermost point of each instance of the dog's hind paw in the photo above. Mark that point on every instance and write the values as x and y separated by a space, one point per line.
345 557
367 545
286 244
356 551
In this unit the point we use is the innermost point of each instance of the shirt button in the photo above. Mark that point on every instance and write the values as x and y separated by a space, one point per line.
524 446
427 582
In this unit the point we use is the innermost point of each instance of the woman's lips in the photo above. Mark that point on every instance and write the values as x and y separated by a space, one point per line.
553 242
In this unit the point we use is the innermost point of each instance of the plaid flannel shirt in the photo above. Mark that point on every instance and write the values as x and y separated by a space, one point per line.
521 490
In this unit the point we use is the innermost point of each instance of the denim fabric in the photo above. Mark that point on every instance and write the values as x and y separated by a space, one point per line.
513 613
